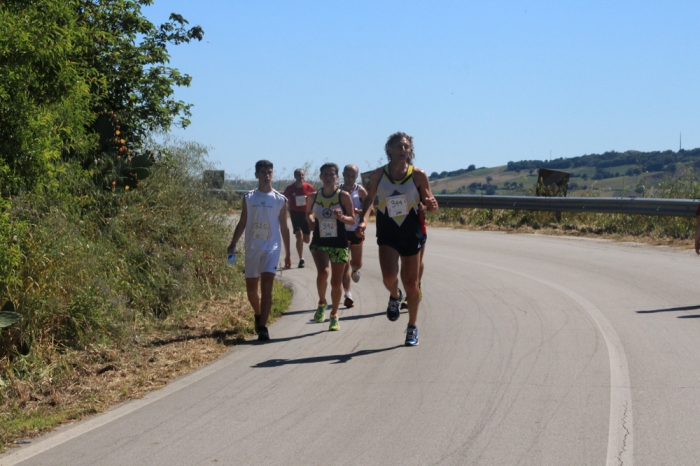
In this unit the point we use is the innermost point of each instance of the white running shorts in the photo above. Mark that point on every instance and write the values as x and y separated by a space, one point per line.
259 261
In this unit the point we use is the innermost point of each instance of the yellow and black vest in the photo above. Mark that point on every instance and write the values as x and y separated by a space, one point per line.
398 215
328 231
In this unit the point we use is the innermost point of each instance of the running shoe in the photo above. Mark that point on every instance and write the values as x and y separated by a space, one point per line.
349 302
301 263
392 311
257 323
355 275
411 335
334 323
264 335
320 315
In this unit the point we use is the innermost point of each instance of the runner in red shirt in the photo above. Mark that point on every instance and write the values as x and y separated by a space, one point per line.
297 193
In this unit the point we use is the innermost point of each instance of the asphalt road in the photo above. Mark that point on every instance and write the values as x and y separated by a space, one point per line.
534 350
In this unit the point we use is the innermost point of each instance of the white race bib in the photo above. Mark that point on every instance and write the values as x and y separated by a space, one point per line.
301 201
397 205
261 230
329 227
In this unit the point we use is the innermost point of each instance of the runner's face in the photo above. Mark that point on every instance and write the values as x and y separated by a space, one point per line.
329 177
349 176
299 176
400 150
264 174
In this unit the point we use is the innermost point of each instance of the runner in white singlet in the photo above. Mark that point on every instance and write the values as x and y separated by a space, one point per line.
264 221
357 194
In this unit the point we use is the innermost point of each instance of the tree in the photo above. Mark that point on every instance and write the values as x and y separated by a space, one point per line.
489 179
471 168
103 84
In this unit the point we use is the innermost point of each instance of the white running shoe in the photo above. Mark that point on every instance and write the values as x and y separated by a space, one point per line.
355 275
349 302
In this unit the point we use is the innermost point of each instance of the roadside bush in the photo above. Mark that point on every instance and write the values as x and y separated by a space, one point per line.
83 265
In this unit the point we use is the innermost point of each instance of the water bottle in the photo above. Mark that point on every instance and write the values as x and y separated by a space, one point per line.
231 259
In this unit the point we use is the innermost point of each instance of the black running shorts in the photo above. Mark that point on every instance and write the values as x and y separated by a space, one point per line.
299 222
353 238
405 247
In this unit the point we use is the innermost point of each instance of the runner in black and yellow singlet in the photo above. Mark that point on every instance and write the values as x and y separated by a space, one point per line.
403 192
327 216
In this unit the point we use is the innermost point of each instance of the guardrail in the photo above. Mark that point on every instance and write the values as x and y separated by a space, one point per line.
608 205
603 205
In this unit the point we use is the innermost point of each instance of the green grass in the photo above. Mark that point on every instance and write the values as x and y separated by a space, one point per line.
88 268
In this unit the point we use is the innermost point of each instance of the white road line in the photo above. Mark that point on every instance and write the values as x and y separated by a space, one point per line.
620 433
81 428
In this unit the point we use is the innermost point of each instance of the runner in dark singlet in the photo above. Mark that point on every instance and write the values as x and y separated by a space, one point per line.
327 215
404 193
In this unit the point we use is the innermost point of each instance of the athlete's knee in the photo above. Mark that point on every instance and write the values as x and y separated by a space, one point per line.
390 280
337 280
298 234
411 286
307 239
323 273
357 262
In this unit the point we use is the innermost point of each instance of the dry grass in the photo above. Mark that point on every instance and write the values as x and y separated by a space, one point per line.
568 230
99 377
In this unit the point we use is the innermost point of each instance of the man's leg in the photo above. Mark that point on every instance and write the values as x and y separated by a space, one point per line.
251 286
356 259
410 271
267 281
346 275
422 266
389 263
336 285
322 271
300 243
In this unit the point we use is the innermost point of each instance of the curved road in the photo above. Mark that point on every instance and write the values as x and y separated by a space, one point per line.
534 350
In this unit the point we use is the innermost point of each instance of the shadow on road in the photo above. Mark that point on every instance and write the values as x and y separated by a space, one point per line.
335 358
362 316
672 309
254 341
292 313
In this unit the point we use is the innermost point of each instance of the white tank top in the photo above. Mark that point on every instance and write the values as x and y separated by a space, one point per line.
356 204
262 228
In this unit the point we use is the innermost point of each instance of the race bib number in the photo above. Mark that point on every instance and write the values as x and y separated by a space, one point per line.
261 230
301 201
329 227
397 205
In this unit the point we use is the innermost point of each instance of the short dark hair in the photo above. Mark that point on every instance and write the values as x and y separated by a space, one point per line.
396 137
328 165
262 164
299 170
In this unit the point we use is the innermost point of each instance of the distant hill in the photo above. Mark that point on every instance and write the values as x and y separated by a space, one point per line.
618 173
644 161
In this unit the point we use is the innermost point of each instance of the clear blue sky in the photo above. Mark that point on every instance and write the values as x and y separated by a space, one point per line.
479 82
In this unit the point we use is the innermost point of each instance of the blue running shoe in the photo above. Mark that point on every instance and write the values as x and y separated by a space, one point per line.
392 311
412 335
